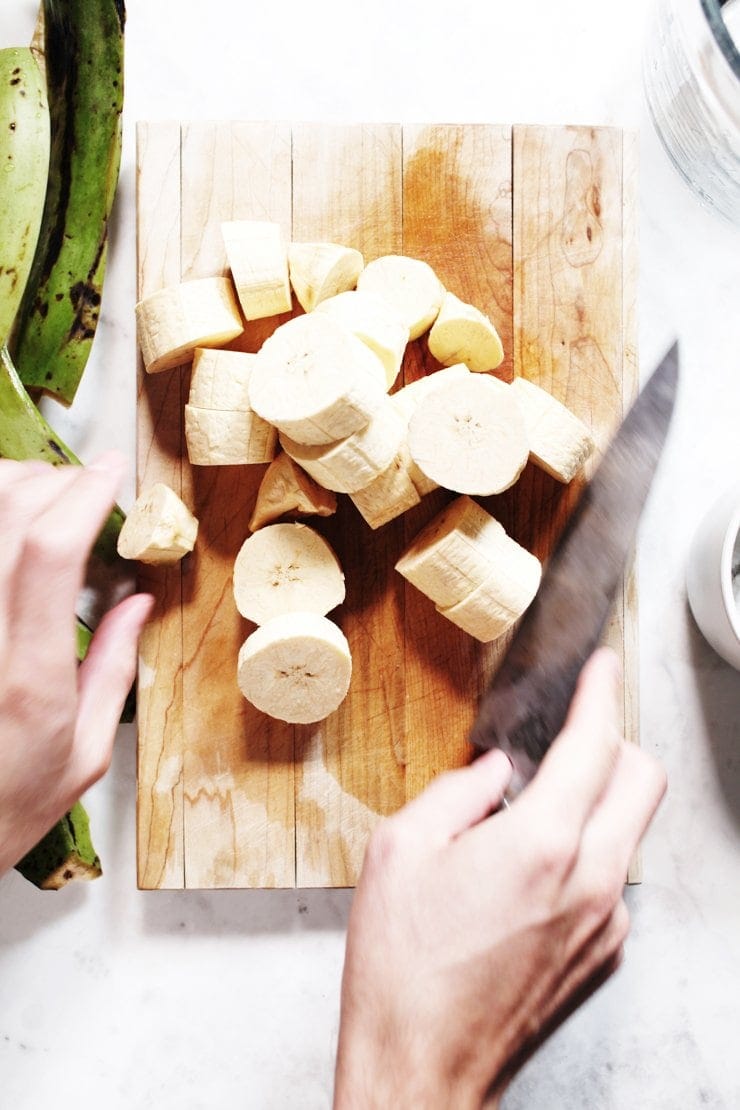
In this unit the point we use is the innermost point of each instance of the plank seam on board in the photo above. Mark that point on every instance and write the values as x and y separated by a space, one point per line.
145 739
618 143
296 778
630 370
182 619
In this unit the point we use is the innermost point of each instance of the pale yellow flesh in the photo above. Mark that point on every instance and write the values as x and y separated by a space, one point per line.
477 576
315 381
172 322
406 401
286 567
469 436
159 528
372 321
219 380
258 258
392 493
297 668
462 333
322 270
286 490
452 555
352 463
494 606
410 288
216 438
559 442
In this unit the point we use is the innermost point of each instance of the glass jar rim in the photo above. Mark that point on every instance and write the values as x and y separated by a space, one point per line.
713 11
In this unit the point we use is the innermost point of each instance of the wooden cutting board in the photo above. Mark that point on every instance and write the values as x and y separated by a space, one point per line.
535 226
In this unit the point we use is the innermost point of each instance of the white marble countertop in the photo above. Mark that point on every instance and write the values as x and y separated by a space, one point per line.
115 998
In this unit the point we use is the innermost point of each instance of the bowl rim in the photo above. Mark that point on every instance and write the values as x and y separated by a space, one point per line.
713 11
729 542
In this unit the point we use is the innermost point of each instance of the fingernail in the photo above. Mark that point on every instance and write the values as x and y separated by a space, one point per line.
142 605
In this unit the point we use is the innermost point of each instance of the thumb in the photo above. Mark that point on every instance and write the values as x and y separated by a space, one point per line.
457 800
104 679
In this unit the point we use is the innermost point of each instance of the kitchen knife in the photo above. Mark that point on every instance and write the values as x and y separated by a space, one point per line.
527 701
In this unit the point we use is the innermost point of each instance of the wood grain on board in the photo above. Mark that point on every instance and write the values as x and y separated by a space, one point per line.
535 226
238 780
160 840
575 284
457 217
350 768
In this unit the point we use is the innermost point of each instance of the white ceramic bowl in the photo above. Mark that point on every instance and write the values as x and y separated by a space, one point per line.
714 551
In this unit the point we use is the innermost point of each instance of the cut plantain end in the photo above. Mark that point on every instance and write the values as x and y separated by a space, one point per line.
297 667
286 567
469 436
159 529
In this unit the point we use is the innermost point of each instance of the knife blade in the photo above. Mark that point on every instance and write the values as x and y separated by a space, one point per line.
526 703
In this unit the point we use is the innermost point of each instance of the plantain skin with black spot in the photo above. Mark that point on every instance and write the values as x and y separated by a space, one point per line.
84 41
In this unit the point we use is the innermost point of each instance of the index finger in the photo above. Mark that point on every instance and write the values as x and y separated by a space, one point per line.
582 759
58 542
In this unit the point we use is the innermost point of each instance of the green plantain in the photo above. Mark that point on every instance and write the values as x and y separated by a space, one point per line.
83 55
24 434
66 854
24 169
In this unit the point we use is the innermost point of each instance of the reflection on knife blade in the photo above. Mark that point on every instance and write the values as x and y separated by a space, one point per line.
527 701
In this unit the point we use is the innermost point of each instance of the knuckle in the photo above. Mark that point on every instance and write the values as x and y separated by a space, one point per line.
649 773
556 851
97 768
89 767
600 897
386 845
60 549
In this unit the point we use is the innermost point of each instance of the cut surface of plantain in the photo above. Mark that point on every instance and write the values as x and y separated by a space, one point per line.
315 381
455 553
374 322
559 442
172 322
220 380
498 602
352 463
286 567
469 435
406 400
322 270
296 667
216 438
220 427
287 490
159 528
392 493
258 260
409 287
462 333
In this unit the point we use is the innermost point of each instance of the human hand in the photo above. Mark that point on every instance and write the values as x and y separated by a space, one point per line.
472 936
57 721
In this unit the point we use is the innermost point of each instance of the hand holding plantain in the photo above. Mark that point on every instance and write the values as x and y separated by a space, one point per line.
57 722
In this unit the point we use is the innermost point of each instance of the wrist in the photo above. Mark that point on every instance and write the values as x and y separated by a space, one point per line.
370 1077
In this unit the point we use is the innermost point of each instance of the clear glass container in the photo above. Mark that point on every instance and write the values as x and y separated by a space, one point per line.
692 86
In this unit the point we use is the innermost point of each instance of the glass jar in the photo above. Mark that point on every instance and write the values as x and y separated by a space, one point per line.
692 85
